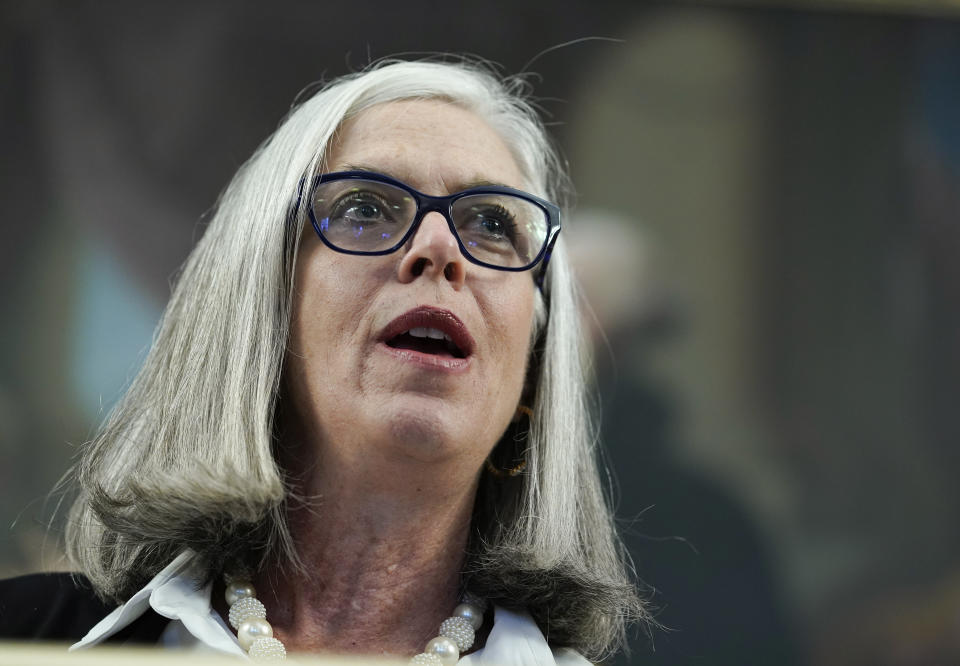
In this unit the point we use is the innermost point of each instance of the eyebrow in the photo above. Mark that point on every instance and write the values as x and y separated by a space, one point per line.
480 182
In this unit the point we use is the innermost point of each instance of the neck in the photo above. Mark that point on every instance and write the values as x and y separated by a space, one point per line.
381 561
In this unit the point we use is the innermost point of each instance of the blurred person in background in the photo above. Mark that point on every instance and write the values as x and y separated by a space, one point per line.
692 541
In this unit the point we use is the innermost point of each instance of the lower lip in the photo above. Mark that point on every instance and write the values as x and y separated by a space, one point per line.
428 361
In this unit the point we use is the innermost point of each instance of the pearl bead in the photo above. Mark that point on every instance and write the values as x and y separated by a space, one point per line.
252 629
424 659
239 589
444 648
470 613
244 609
267 649
459 630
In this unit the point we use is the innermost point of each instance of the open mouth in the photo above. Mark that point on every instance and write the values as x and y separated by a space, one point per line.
427 341
437 336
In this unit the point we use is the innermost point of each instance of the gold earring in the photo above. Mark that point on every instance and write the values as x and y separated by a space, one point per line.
504 473
522 410
526 411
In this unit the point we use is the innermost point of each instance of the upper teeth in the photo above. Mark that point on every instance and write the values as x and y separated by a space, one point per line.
429 333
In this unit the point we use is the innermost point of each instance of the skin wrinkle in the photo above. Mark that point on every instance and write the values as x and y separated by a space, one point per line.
395 450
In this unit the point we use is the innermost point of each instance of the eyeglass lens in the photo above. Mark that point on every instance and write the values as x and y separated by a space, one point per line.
370 216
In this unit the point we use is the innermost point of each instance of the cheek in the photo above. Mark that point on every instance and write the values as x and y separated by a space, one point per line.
518 329
325 333
328 288
324 307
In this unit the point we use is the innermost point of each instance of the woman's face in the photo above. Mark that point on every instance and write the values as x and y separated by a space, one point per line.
362 386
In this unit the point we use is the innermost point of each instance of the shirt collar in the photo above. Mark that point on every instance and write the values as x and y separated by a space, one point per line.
179 592
514 640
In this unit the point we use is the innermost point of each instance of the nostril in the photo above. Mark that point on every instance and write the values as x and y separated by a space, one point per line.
418 266
449 272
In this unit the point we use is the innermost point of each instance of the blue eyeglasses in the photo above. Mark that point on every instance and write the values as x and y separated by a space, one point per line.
360 212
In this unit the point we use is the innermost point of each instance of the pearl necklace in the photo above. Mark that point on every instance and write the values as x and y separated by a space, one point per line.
248 616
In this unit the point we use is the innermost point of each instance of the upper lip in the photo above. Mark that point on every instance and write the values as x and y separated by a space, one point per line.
425 316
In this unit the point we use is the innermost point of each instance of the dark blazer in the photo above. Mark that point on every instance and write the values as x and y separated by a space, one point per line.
63 607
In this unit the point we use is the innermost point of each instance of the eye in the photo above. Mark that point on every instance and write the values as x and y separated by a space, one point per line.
493 226
498 228
493 222
362 207
365 210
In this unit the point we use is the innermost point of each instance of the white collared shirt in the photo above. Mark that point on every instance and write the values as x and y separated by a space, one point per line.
178 593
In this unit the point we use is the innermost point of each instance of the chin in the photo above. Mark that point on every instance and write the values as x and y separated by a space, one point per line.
424 434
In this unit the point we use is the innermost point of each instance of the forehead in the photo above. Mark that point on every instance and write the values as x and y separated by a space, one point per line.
433 145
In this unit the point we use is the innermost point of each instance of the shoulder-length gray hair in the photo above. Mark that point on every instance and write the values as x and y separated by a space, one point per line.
186 459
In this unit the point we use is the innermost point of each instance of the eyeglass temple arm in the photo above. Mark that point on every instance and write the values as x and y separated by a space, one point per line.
542 273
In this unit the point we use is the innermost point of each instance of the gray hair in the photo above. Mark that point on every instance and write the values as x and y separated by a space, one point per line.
186 459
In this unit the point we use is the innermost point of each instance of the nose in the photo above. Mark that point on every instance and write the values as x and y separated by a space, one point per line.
433 253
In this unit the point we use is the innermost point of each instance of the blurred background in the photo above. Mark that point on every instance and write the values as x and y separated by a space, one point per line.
767 228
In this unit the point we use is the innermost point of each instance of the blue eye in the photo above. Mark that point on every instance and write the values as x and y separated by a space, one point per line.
366 211
362 216
361 207
493 226
492 223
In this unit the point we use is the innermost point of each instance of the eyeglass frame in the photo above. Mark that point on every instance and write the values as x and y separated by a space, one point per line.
444 205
